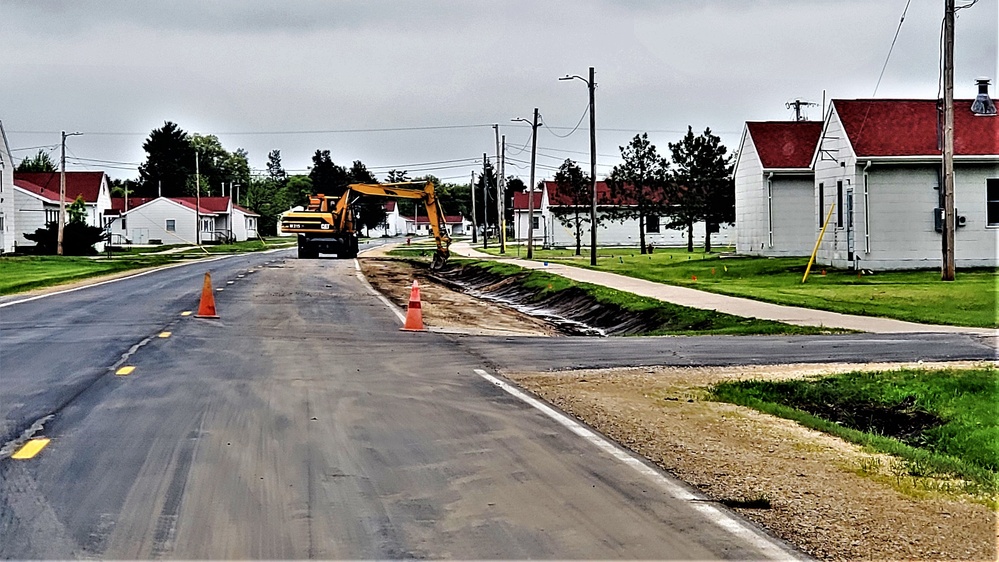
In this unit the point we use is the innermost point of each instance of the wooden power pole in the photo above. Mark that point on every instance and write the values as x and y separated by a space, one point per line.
475 223
947 267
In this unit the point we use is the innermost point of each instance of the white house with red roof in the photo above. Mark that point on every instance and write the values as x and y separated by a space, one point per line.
175 220
775 188
8 218
549 204
878 167
456 225
394 224
36 199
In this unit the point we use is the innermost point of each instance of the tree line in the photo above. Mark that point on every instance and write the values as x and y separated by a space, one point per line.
694 185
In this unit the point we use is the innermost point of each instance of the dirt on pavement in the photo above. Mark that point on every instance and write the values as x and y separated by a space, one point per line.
830 498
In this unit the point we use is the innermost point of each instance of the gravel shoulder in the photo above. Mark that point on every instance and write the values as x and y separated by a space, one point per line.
830 498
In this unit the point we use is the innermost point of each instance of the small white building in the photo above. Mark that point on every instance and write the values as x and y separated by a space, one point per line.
549 231
172 220
8 217
877 166
456 226
394 224
774 188
36 200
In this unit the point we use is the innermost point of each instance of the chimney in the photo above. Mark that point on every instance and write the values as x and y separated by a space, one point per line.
983 104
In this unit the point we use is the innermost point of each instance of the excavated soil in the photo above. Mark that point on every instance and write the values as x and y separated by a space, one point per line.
830 498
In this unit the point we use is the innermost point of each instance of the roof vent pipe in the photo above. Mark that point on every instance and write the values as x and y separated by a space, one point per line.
983 104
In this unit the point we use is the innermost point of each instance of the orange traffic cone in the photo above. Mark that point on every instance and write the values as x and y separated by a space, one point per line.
414 312
207 307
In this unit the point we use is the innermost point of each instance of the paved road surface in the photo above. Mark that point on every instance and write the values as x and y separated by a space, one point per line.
305 424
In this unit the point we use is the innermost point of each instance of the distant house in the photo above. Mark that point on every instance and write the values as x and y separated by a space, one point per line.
8 217
36 198
550 231
394 225
774 188
878 167
456 226
174 220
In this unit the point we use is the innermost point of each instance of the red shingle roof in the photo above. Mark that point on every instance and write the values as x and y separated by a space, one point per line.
213 204
892 127
785 144
118 203
520 200
604 197
449 219
87 184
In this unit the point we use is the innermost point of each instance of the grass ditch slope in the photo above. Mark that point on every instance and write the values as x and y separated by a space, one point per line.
940 423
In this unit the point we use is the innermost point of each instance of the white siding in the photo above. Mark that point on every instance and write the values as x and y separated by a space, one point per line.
751 212
8 216
148 222
30 215
836 162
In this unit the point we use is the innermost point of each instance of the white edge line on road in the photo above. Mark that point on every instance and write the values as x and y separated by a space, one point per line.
98 284
759 541
381 297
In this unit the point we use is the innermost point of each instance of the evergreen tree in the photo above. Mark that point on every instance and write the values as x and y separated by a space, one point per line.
641 178
169 162
703 188
41 162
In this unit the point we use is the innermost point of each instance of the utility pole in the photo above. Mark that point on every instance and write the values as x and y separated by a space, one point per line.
62 192
499 192
591 84
502 198
475 222
485 203
530 200
947 267
593 172
197 200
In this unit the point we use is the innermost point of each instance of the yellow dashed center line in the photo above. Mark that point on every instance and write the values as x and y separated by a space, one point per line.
126 370
186 313
30 449
165 334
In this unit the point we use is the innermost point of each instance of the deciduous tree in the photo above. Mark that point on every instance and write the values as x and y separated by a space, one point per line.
41 162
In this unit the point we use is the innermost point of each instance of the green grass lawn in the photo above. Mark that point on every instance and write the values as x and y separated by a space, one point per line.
23 273
917 296
670 319
936 421
18 274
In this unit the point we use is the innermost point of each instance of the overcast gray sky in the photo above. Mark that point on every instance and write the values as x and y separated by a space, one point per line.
320 74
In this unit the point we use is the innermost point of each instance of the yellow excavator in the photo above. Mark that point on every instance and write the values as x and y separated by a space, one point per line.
327 225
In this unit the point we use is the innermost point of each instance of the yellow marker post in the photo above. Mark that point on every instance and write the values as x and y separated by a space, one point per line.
124 371
822 233
165 334
30 449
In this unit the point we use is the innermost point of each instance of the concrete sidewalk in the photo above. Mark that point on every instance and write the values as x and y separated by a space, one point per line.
730 305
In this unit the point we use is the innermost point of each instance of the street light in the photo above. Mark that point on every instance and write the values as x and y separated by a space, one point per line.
62 192
593 165
530 193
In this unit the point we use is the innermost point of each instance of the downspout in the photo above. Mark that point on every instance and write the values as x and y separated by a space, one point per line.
867 212
770 210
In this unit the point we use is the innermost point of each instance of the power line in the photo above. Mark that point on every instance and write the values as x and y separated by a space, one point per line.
578 123
890 49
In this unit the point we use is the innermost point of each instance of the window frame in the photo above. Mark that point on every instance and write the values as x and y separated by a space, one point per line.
992 199
167 225
652 225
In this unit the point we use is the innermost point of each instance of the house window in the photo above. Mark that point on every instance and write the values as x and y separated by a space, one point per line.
206 225
536 222
123 224
839 204
171 225
822 203
51 215
652 223
992 201
1 223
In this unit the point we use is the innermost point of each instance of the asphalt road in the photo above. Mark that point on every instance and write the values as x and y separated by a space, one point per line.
304 424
